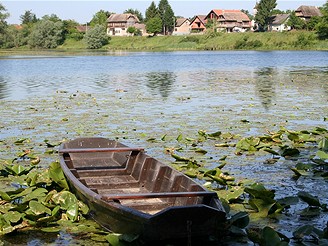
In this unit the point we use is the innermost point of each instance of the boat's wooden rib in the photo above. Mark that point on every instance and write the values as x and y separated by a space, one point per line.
130 192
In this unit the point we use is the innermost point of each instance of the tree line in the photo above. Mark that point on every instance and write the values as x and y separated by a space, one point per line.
50 31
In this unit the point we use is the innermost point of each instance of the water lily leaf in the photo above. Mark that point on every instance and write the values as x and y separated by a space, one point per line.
23 192
5 196
83 208
57 175
114 239
323 144
215 134
179 138
73 211
289 200
302 231
286 151
20 141
12 216
272 238
231 194
248 144
35 195
309 199
65 199
263 206
322 155
37 208
240 219
201 151
18 169
180 158
259 191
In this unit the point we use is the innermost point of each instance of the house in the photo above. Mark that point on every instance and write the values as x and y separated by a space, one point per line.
181 27
198 24
229 20
279 23
307 12
117 24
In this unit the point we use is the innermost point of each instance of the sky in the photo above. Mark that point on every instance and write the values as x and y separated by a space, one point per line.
83 11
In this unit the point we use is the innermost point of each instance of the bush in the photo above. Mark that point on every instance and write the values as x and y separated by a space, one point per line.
46 34
96 37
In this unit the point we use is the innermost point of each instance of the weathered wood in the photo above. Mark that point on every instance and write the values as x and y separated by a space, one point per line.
157 195
90 150
129 192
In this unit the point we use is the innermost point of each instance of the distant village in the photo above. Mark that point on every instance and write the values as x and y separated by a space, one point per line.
225 20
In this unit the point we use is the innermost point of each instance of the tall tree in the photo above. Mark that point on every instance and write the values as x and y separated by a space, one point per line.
100 18
28 18
264 12
3 25
167 15
154 25
322 26
151 12
136 13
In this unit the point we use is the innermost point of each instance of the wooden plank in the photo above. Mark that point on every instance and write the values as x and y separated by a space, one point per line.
95 150
157 195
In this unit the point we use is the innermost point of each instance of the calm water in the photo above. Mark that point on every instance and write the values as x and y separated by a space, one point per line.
160 74
137 96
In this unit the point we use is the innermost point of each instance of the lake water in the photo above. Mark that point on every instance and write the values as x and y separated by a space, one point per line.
160 73
135 97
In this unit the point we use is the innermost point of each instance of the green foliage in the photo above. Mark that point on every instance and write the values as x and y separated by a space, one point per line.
304 40
245 44
3 25
96 37
295 22
167 16
264 13
100 18
28 18
46 34
151 12
154 25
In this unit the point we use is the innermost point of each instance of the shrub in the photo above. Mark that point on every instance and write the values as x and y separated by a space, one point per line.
96 37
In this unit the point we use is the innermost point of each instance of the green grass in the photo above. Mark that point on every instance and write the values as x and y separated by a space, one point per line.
294 40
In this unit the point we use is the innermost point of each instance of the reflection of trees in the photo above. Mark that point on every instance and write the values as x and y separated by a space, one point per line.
264 85
2 88
161 81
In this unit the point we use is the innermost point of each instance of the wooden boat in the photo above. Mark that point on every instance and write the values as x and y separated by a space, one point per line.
129 192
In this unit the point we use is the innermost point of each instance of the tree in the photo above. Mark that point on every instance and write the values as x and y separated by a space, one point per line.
100 18
154 25
28 18
167 15
322 26
136 13
295 22
151 12
46 34
96 37
3 25
264 12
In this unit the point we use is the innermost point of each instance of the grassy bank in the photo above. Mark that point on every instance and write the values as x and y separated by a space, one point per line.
295 40
213 41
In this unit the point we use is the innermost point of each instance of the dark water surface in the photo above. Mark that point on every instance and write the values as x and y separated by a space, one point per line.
140 96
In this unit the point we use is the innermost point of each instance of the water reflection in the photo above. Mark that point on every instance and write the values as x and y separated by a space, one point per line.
161 82
3 88
264 85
